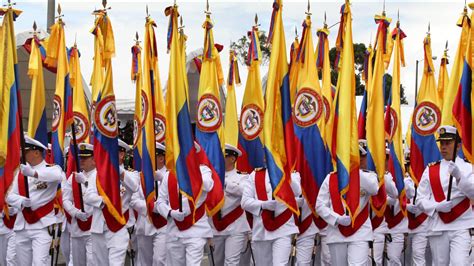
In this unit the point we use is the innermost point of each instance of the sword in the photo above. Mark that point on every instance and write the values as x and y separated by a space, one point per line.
58 244
52 232
211 251
315 248
130 250
292 259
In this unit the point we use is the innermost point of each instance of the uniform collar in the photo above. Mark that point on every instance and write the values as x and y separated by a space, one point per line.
231 172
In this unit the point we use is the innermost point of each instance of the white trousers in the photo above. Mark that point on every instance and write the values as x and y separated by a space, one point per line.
81 251
451 248
351 253
272 252
246 255
228 248
304 249
7 249
109 248
419 242
65 243
151 250
32 247
323 252
184 251
394 249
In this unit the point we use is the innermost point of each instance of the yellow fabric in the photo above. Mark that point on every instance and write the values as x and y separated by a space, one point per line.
231 125
79 98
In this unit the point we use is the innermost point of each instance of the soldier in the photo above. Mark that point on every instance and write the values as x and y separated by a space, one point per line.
150 231
306 225
273 223
449 207
185 239
81 243
230 226
109 248
7 236
348 244
37 210
383 235
417 221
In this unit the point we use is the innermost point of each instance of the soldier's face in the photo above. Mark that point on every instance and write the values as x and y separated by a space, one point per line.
87 163
160 161
230 162
363 162
33 157
447 149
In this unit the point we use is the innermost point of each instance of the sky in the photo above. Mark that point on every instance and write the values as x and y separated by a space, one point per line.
232 19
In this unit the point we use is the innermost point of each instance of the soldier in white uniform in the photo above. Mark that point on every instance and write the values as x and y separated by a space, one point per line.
81 242
348 245
273 223
306 226
151 232
450 219
185 240
37 210
7 237
109 248
230 226
383 234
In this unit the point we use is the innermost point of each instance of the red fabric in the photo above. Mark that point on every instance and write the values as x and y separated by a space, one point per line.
438 193
391 219
157 220
33 216
376 222
221 223
270 222
9 222
415 221
174 203
320 223
305 224
339 208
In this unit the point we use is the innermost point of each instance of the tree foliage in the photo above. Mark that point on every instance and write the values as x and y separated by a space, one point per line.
241 47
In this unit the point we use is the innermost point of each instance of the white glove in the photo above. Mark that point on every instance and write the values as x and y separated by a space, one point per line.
391 201
158 176
414 209
300 201
27 170
177 215
26 202
269 205
454 170
81 216
409 187
121 169
344 220
12 211
81 178
444 206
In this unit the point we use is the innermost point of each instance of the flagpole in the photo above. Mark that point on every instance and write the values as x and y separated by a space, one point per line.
450 186
76 158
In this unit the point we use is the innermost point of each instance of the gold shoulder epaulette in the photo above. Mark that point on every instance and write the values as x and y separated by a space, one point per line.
434 163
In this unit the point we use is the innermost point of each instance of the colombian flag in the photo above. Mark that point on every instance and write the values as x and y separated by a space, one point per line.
80 107
137 76
426 119
375 116
345 145
151 84
10 103
252 112
106 126
463 108
37 127
456 70
231 124
181 157
62 104
293 69
393 121
443 78
278 114
209 129
313 161
324 65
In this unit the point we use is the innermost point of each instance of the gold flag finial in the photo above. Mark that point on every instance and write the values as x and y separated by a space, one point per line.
147 13
137 41
75 40
104 4
34 26
59 9
429 28
256 19
383 11
296 32
207 12
325 20
308 8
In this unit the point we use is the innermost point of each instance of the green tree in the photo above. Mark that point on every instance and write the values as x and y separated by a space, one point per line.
359 50
387 91
241 48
